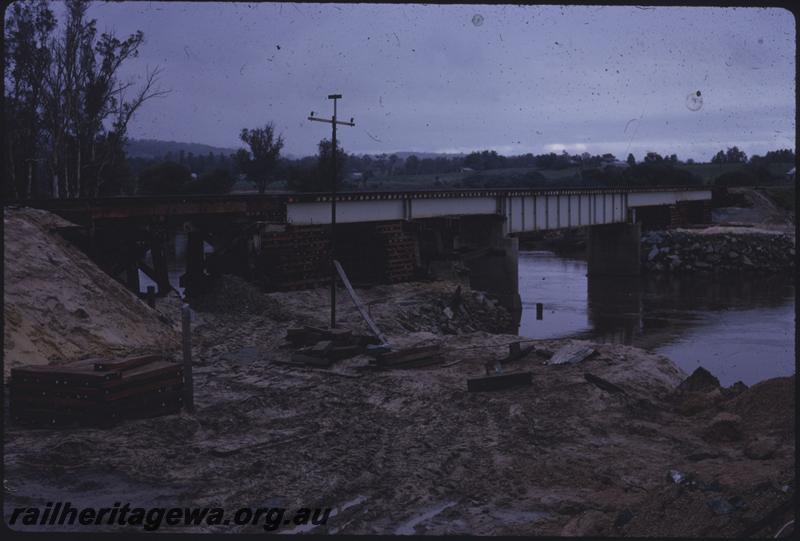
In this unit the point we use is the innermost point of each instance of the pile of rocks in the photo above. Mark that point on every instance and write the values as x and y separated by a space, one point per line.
457 313
233 295
682 250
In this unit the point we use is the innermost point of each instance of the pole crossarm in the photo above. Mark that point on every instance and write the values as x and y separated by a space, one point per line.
331 121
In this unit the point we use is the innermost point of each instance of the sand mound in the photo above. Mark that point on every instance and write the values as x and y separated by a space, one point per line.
59 306
767 406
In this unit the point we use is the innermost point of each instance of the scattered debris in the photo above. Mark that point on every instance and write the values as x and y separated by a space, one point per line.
724 427
502 381
229 294
516 352
603 384
723 506
571 354
761 448
676 477
408 357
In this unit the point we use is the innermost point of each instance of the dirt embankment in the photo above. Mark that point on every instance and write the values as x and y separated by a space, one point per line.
644 452
758 207
58 306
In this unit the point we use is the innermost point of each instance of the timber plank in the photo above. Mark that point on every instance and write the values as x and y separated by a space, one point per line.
156 370
127 363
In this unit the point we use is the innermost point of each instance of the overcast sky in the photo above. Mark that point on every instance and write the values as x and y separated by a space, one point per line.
449 78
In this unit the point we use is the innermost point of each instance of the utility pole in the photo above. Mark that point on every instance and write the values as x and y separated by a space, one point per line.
333 122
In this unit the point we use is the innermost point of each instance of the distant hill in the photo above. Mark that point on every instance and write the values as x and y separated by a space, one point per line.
153 148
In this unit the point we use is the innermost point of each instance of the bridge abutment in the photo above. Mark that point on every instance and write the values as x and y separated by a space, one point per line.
614 249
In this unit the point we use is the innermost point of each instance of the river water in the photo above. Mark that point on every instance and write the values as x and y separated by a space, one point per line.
737 327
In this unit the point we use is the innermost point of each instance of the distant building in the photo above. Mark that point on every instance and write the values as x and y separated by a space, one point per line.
790 174
466 170
356 175
615 163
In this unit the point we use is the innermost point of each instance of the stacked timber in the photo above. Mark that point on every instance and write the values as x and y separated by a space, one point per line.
320 348
95 392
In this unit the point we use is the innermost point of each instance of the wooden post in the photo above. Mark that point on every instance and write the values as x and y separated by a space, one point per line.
539 310
188 382
160 265
194 261
132 275
151 296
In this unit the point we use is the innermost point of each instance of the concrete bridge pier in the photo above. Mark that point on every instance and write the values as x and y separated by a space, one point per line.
614 249
495 271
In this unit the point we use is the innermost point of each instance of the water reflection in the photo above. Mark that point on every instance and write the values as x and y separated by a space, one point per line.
740 328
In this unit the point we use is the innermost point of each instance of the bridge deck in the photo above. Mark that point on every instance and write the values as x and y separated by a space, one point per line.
524 209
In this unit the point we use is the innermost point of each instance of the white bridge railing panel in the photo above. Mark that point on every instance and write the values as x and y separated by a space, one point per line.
346 212
523 212
431 208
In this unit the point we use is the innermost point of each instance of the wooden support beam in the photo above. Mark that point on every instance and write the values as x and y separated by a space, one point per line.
160 265
195 261
132 276
358 304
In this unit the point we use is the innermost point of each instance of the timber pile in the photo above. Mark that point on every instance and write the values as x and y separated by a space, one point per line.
95 392
322 347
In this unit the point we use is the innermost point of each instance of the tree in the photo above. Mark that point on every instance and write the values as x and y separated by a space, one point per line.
27 61
216 181
740 177
412 165
653 157
324 165
260 162
631 160
164 178
392 162
64 95
660 173
380 163
734 155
